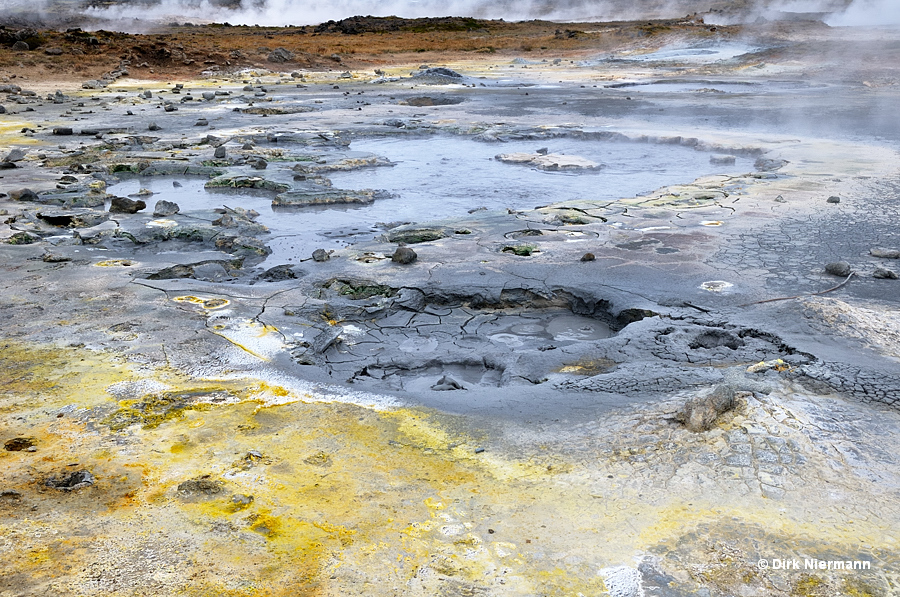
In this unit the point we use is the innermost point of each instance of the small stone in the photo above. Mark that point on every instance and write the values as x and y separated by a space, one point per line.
404 256
321 255
54 258
209 95
588 257
63 130
885 253
220 152
23 195
279 273
447 383
170 108
202 122
53 51
153 127
247 146
884 274
125 205
259 164
543 151
165 208
2 110
16 155
226 221
834 199
700 412
71 481
838 268
147 94
20 46
18 444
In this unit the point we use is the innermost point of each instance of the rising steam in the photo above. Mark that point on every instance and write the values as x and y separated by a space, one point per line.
309 12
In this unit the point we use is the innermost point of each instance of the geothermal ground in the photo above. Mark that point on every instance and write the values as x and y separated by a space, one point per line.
594 309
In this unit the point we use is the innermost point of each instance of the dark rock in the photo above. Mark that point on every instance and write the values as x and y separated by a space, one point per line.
884 274
18 444
833 199
438 72
225 221
53 51
415 235
71 481
280 55
174 272
543 151
62 130
202 122
404 255
153 127
21 46
885 253
321 255
2 110
170 108
23 195
165 208
259 164
55 258
208 95
124 205
220 152
202 486
700 412
279 273
16 155
588 257
446 383
838 268
22 238
7 166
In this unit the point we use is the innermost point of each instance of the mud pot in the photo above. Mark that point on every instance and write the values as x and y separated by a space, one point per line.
613 318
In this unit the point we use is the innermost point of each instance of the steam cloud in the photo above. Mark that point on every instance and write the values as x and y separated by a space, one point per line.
309 12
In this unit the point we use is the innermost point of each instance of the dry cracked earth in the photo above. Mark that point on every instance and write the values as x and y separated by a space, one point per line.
620 321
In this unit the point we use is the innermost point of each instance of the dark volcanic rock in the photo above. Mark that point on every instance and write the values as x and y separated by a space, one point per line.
404 255
23 195
700 412
71 481
321 255
280 55
279 273
884 274
63 130
885 253
838 268
200 487
833 199
124 205
588 257
18 444
165 208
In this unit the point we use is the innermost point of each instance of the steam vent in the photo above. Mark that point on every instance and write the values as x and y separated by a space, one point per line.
539 299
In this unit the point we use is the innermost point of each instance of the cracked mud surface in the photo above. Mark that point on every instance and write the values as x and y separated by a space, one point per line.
193 403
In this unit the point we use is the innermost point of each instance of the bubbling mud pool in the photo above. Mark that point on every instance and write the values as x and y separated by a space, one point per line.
435 178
